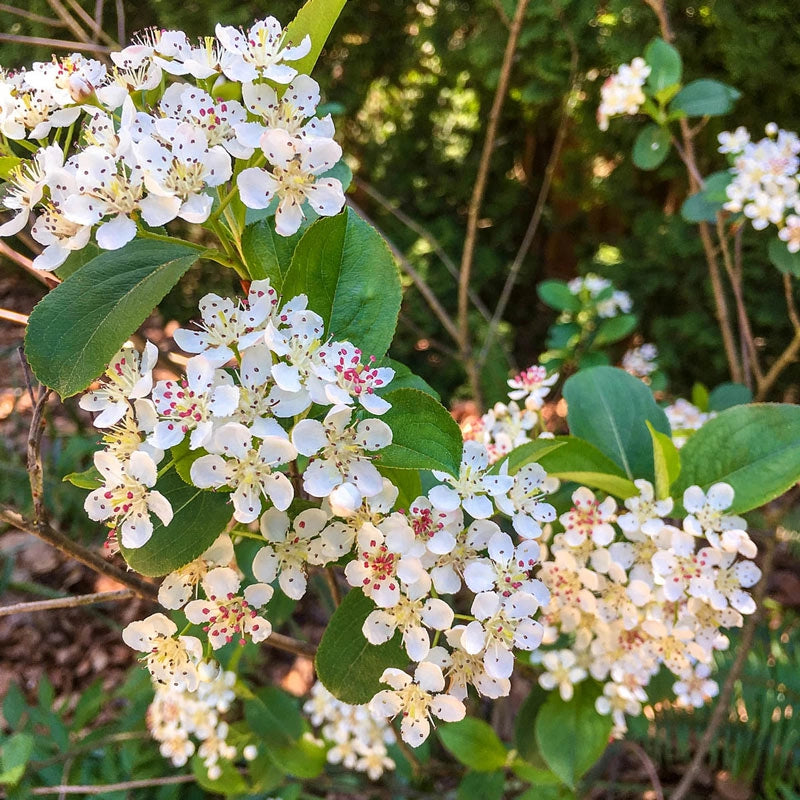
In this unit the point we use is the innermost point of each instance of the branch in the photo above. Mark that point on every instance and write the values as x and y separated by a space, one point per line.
538 210
66 602
468 254
290 645
49 21
69 21
93 25
13 316
722 707
113 787
62 44
48 279
35 472
43 531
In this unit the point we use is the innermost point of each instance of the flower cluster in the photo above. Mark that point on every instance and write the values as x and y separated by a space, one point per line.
641 361
684 419
765 180
358 740
600 294
508 425
622 92
631 592
138 163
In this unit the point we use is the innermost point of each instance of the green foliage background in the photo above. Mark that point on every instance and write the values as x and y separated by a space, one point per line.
410 85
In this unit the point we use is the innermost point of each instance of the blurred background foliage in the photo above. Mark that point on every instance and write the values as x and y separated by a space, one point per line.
410 85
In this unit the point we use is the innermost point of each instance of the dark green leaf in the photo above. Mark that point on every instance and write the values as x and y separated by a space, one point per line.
407 481
705 98
88 479
614 329
665 65
404 378
267 254
424 435
230 782
351 280
473 742
779 255
572 736
184 458
727 395
528 453
481 786
315 19
347 664
14 755
557 295
705 205
199 517
651 147
609 408
754 448
75 331
525 723
666 462
77 259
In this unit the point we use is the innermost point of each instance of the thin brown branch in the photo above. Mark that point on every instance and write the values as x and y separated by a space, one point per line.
120 8
91 23
66 602
51 22
722 708
501 12
333 587
648 765
61 44
69 21
124 786
538 209
791 306
425 235
424 289
785 359
660 10
13 316
35 471
48 279
476 201
290 645
80 553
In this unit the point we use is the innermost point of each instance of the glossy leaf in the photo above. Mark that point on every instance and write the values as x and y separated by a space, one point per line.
88 479
727 395
351 280
705 98
481 786
75 331
15 752
755 448
199 516
651 147
473 742
404 378
666 462
347 664
780 257
267 254
316 18
557 295
424 435
609 408
665 65
614 329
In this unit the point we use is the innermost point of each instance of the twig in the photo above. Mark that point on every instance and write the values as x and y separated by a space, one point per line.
792 351
80 553
649 767
791 306
476 201
92 24
330 578
120 8
290 645
434 343
62 44
501 12
46 278
427 293
13 316
721 709
69 21
113 787
51 22
66 602
26 371
538 210
425 235
35 472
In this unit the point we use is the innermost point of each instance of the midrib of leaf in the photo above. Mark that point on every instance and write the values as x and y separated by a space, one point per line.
615 431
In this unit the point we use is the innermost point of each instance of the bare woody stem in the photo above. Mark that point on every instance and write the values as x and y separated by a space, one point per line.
125 786
476 202
66 602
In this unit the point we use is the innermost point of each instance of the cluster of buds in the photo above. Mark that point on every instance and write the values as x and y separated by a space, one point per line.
622 92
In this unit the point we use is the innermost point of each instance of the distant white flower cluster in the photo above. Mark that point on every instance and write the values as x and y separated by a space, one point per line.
600 292
641 361
622 92
136 162
765 180
684 419
633 592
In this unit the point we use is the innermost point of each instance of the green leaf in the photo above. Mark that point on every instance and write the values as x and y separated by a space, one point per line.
347 664
15 752
700 396
407 481
727 395
528 453
572 736
609 408
473 742
651 147
525 723
424 435
755 448
267 254
779 255
705 98
7 166
199 517
572 459
665 65
614 329
229 782
183 459
404 378
351 280
75 331
481 786
666 462
316 18
77 259
88 479
556 294
14 705
536 775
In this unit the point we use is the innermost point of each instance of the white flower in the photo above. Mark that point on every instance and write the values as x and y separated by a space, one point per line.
338 452
644 511
589 518
225 615
532 385
417 700
705 510
450 566
470 489
355 380
695 689
127 498
524 501
562 671
248 469
288 553
171 660
177 587
294 178
27 187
